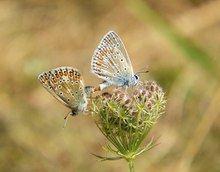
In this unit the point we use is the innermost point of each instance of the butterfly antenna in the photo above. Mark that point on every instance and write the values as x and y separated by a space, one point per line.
66 119
90 90
144 70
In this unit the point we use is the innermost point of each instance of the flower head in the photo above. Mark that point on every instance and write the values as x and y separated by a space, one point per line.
126 116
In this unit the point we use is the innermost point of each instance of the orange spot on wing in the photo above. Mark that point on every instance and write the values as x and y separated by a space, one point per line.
99 63
46 78
54 81
42 80
65 73
70 74
61 73
100 57
102 53
78 77
105 50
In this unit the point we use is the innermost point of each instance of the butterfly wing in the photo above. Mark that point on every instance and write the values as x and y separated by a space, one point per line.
66 85
111 62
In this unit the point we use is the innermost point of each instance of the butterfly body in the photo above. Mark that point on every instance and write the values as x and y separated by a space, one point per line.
111 63
126 80
66 85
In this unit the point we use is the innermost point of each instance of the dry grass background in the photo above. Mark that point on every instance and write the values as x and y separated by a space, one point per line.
39 35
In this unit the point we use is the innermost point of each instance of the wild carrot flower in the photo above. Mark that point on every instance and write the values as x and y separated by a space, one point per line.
126 116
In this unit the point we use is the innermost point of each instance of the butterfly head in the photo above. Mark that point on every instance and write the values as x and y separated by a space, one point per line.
135 79
74 111
89 90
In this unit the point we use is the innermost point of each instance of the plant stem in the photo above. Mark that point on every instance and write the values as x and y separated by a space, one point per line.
131 165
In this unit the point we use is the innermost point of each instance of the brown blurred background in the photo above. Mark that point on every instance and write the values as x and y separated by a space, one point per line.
178 41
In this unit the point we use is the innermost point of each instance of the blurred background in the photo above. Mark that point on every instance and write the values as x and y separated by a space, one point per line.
178 42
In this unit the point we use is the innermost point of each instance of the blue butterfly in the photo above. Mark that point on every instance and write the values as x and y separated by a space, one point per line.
66 85
111 63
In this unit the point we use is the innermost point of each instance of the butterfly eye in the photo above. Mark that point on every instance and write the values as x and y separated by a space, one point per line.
136 77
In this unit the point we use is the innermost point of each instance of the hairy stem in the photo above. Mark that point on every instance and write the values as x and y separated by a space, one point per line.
131 165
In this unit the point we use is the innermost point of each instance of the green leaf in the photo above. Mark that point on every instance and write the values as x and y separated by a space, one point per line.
149 146
107 158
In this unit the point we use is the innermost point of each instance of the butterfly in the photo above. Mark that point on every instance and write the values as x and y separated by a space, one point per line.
66 85
111 63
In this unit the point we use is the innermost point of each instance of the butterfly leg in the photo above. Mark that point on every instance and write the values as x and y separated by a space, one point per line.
66 119
89 90
103 85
